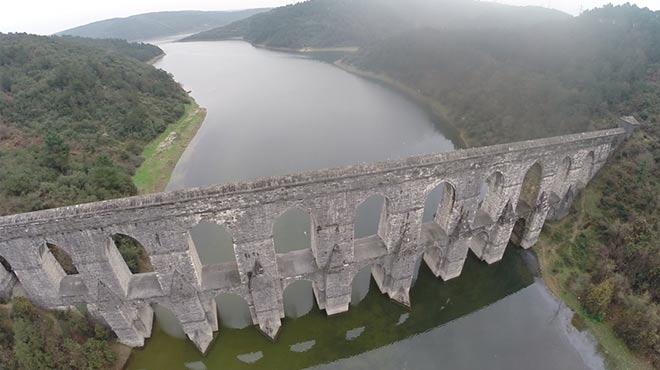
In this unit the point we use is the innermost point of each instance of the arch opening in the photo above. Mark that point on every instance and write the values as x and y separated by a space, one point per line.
292 231
133 253
233 311
213 243
478 244
63 258
368 216
360 285
531 186
518 232
439 204
168 322
298 299
490 194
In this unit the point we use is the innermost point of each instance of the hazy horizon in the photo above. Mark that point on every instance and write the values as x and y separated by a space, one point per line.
53 17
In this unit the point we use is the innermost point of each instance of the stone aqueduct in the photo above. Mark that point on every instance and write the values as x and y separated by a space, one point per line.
162 222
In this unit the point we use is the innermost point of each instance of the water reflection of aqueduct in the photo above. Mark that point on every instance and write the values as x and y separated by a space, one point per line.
434 207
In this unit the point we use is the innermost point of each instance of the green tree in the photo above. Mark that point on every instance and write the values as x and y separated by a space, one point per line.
598 298
56 152
6 82
109 181
29 347
639 324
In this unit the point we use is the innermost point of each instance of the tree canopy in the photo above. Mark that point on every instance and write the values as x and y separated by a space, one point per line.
74 116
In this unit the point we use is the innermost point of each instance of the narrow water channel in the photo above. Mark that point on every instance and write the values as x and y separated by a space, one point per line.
273 113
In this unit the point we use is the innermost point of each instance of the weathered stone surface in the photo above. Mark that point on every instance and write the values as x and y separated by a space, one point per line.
7 282
162 222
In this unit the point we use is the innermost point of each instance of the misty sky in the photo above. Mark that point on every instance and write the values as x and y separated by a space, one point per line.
50 16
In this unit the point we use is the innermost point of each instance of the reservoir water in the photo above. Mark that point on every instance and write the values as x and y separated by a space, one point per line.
273 113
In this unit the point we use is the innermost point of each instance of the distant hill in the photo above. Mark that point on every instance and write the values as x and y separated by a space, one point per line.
141 51
161 24
335 23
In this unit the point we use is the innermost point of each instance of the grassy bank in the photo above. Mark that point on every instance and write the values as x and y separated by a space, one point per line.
162 154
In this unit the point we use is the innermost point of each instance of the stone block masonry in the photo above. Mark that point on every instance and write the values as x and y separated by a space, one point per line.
465 220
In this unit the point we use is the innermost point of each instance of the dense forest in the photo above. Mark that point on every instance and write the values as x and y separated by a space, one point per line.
504 84
32 339
75 114
500 74
333 23
74 117
150 26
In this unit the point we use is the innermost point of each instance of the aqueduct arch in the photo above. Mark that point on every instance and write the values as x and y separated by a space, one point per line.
163 222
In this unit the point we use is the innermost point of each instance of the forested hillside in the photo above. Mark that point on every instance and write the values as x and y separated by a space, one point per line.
74 117
160 24
336 23
502 84
140 51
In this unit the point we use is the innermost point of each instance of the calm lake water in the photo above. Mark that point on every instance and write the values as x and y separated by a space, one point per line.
273 113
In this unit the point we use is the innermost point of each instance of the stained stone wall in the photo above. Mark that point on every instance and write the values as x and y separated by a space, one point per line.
162 224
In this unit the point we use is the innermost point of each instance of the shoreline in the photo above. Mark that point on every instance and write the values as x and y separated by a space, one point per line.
162 154
155 59
438 112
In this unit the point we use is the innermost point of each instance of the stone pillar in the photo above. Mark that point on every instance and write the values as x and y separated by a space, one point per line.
198 320
451 258
535 222
338 278
630 124
499 236
332 245
447 214
267 300
97 260
401 233
446 256
257 265
36 268
560 207
131 323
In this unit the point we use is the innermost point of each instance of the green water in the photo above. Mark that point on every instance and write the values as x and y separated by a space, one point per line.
434 303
